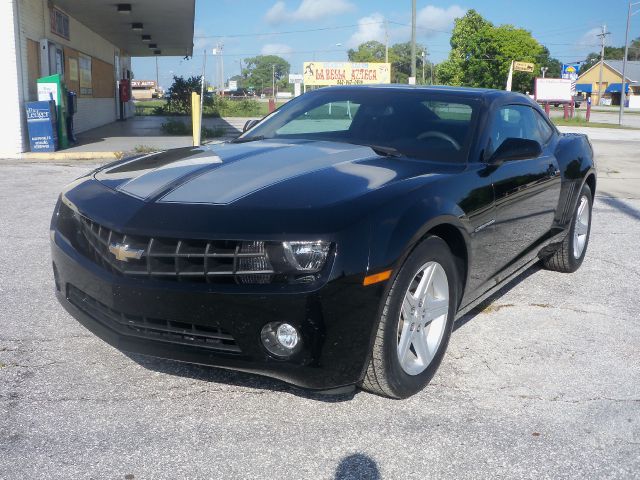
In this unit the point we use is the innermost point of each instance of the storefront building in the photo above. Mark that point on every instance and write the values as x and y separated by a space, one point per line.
90 44
589 83
144 89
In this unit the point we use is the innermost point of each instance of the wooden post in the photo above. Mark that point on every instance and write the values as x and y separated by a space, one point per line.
573 108
566 111
547 109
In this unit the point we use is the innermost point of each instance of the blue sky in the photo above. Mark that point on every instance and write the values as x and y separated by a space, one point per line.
251 27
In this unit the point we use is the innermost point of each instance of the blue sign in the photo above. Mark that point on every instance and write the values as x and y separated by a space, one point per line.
41 121
570 71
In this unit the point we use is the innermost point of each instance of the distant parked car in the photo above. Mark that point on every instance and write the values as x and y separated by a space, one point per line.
578 99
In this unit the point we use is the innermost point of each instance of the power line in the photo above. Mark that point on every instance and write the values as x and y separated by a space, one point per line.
236 35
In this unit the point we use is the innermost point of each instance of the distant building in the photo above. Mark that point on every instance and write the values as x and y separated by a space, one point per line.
588 83
144 89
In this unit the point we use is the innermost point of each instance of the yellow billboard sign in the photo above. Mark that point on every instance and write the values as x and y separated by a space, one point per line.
346 73
523 67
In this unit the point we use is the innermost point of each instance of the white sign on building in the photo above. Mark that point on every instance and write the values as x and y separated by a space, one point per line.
296 78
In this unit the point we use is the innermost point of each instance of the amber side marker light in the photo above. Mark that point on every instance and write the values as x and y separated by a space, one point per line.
377 278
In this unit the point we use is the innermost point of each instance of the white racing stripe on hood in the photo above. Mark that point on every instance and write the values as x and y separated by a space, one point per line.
235 180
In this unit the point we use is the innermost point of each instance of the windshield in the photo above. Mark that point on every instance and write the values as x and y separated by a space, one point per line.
416 123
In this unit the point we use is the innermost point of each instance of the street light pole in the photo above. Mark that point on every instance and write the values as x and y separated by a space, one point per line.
623 91
544 71
424 55
273 78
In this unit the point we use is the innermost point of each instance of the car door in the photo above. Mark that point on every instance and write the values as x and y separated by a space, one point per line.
526 191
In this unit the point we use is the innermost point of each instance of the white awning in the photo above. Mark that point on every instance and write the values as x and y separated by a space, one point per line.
168 22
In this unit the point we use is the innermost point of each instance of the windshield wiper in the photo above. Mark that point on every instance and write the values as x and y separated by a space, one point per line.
385 151
248 139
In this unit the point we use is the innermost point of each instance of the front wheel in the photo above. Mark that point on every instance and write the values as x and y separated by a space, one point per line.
416 322
570 255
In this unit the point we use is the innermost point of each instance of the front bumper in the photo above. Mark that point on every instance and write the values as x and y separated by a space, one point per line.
337 320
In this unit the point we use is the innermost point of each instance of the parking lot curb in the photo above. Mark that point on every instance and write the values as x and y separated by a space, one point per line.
57 156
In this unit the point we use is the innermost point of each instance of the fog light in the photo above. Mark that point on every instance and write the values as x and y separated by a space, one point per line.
281 339
287 335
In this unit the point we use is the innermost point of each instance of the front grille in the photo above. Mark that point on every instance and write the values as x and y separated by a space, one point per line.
183 333
215 261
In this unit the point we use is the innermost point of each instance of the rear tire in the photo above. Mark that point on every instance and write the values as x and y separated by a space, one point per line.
570 255
416 322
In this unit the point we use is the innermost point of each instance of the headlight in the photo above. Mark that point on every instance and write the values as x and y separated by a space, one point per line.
307 257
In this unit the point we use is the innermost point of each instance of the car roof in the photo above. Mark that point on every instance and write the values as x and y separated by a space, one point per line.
487 94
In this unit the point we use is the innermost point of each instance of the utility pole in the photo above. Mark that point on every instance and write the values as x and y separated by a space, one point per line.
413 39
386 41
623 92
204 67
157 76
273 78
602 37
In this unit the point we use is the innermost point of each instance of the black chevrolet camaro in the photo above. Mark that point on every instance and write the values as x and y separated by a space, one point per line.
334 242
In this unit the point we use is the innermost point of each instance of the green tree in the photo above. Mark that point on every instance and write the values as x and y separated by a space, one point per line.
553 64
612 53
399 57
372 51
634 50
259 70
180 93
481 54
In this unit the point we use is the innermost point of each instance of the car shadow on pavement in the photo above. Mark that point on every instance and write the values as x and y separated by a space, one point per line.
619 205
487 303
234 378
357 467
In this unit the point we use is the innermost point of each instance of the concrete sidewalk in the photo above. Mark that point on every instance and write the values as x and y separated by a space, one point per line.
143 133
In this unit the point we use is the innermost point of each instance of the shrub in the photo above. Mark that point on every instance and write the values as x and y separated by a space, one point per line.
177 127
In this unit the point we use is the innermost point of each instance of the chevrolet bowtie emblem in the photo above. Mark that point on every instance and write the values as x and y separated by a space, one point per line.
124 252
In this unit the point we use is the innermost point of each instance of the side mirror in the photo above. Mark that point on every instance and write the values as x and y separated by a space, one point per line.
249 124
516 149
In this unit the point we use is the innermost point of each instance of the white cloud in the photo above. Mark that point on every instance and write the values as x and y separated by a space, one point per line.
589 39
369 28
307 10
276 49
430 20
433 20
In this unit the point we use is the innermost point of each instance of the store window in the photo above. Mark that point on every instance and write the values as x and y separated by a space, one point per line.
60 23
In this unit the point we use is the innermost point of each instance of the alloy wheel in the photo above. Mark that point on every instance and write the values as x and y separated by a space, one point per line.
423 318
581 228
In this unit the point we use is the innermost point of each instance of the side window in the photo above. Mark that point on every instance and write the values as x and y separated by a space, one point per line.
545 130
518 121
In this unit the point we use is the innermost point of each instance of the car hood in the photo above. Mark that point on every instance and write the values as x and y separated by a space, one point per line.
298 172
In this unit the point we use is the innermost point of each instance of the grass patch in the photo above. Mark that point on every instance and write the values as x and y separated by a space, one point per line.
144 149
579 121
217 107
178 127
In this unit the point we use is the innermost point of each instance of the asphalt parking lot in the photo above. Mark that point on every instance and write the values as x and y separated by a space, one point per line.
543 382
